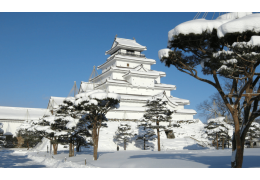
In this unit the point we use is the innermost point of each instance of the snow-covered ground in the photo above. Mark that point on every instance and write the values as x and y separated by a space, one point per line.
129 159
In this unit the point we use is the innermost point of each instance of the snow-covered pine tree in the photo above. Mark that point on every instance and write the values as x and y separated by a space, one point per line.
146 134
2 137
253 132
48 127
67 119
64 127
94 105
59 128
218 130
84 129
228 47
55 127
123 134
156 112
30 138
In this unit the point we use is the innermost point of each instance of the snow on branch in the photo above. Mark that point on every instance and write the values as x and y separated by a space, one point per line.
163 53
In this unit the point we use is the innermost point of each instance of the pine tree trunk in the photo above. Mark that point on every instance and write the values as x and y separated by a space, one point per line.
251 144
73 148
124 145
217 140
70 150
238 144
27 145
95 142
55 148
144 144
223 143
158 135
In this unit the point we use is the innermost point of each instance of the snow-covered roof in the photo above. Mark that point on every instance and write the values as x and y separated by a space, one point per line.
126 70
148 74
172 87
85 86
142 68
54 102
20 113
179 100
186 111
113 81
127 59
131 108
121 43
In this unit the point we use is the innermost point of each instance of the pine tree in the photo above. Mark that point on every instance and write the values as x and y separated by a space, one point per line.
67 119
2 137
65 127
31 138
49 128
58 128
253 132
222 51
123 134
155 113
218 131
147 134
94 105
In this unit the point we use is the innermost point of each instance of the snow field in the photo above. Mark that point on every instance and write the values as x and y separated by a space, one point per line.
61 163
146 159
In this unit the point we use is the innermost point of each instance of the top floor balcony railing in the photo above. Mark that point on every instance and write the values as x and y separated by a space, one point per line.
130 54
125 54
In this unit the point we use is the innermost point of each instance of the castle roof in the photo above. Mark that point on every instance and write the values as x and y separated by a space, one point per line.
19 113
120 57
130 69
54 102
121 43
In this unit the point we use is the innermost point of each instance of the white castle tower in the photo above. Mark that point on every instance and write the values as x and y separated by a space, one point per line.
128 72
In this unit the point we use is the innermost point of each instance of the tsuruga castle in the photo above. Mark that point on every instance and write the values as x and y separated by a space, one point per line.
128 72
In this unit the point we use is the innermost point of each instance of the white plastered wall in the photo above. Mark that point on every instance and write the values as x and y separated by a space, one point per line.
142 82
124 115
13 125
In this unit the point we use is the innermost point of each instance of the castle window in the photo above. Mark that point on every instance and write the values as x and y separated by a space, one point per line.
127 65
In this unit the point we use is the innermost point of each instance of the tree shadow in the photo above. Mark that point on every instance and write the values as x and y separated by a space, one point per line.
211 161
89 152
195 147
10 160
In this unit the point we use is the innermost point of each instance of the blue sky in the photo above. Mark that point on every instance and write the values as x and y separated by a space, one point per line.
42 54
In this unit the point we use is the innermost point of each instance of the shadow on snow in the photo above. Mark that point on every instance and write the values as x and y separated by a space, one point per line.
9 160
211 161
